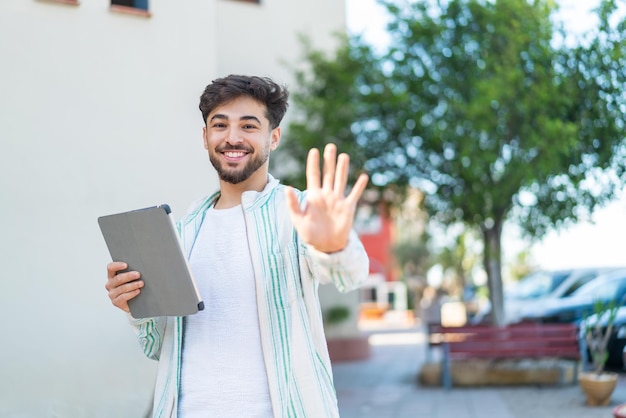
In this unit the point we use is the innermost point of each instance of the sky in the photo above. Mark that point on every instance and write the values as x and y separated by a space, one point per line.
596 243
369 17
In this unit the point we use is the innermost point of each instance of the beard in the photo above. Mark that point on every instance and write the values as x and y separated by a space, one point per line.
233 175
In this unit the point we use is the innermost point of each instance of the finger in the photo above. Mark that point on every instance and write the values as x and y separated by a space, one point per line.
122 294
292 202
120 279
130 287
121 301
330 162
313 169
341 176
114 267
357 190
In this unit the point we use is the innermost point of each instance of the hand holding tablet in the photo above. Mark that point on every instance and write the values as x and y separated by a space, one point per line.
146 240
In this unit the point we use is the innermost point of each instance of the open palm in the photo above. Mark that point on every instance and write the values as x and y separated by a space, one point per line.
327 218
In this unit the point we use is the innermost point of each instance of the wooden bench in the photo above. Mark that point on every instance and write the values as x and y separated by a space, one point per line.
519 341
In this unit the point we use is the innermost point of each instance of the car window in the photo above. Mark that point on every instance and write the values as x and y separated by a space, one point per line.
607 292
574 286
558 278
537 284
600 289
532 286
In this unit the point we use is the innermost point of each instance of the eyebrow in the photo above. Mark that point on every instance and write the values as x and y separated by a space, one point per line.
243 118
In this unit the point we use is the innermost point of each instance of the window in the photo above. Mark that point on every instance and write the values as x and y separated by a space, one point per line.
139 7
137 4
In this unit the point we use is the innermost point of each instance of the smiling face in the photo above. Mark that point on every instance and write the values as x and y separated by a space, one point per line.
239 140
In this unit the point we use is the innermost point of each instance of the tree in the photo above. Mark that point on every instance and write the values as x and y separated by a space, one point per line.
329 106
458 260
478 104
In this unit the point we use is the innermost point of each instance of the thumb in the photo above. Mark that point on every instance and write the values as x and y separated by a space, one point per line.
292 203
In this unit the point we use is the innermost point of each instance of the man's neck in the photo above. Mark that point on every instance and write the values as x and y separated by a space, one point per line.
230 194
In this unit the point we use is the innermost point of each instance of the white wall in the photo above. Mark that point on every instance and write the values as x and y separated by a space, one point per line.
98 114
276 41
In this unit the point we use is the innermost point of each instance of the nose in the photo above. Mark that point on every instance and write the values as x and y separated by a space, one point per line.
233 136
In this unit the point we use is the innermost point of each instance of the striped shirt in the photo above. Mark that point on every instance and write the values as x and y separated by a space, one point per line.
287 273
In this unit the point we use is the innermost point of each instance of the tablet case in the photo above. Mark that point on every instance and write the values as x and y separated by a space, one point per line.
146 239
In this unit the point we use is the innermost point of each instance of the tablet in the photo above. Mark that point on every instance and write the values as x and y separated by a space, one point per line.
146 239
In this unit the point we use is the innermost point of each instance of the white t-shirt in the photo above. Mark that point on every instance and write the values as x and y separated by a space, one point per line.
223 372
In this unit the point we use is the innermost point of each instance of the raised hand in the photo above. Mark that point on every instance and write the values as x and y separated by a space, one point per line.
326 221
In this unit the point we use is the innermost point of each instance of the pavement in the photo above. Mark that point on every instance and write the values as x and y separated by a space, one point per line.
385 386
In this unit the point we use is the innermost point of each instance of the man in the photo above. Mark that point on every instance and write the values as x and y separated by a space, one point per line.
258 251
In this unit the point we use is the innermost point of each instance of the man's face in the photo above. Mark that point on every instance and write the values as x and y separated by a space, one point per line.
239 139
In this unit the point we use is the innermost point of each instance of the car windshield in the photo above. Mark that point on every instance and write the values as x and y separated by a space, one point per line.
537 285
599 289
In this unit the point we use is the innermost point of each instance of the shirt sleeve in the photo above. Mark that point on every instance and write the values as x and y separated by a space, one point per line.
149 332
346 269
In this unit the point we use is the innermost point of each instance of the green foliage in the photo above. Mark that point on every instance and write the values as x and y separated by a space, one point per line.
598 327
336 314
474 103
413 256
328 105
521 266
459 259
487 108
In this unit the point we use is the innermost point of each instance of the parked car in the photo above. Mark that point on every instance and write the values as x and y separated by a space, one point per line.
532 292
617 340
532 289
606 287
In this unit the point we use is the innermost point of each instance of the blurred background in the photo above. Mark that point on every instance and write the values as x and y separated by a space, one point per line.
98 115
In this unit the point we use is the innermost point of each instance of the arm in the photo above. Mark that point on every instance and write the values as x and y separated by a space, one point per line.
346 269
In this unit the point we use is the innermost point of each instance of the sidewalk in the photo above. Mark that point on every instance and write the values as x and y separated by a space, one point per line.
385 386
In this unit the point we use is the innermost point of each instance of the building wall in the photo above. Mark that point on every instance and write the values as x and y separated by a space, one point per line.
378 246
265 37
98 114
376 229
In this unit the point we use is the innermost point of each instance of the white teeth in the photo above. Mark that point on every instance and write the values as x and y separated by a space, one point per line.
234 154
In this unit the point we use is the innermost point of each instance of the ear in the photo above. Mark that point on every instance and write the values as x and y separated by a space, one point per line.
204 138
275 139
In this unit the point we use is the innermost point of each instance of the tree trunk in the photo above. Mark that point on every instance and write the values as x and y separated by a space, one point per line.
493 266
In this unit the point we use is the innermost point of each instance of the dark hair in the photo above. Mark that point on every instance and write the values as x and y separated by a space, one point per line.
262 89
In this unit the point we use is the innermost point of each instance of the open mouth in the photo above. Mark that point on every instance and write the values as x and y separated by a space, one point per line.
234 155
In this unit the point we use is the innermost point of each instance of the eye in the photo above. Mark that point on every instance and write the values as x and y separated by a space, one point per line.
218 125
